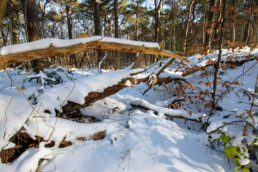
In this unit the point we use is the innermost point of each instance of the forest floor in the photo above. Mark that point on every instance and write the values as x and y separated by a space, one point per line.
112 134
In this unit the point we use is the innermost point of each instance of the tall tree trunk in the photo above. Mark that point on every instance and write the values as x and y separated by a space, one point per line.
97 17
250 21
209 28
118 61
217 65
137 16
32 25
254 34
174 43
246 33
2 11
25 4
97 26
157 18
62 21
43 12
69 19
188 24
14 22
116 19
203 25
234 22
73 57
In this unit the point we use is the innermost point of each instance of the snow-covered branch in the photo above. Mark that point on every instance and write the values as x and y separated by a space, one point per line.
54 47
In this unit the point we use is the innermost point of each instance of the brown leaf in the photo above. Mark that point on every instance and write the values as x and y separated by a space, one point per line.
99 135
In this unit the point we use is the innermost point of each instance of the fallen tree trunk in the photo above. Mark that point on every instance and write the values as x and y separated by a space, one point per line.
92 97
95 96
54 47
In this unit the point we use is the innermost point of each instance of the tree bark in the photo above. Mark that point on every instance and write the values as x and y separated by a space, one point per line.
2 11
33 24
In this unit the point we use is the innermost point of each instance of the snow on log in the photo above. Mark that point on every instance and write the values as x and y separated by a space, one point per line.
54 47
172 113
83 92
95 96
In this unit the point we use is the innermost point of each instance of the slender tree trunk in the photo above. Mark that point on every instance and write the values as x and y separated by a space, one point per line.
97 17
157 19
234 24
254 35
2 11
25 19
69 19
43 12
203 25
62 21
188 24
217 65
250 21
174 44
137 16
136 27
246 32
97 27
118 61
14 22
32 25
116 19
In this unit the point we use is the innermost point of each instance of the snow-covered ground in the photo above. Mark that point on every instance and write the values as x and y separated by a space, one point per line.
135 139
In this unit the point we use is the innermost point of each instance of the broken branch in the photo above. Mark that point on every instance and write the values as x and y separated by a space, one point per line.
80 46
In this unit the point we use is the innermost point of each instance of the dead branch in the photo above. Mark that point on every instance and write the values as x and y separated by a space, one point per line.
158 73
192 71
167 115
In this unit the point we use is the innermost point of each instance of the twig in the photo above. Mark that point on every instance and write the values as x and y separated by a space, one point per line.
20 90
6 112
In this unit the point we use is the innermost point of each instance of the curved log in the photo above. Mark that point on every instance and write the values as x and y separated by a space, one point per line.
54 47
